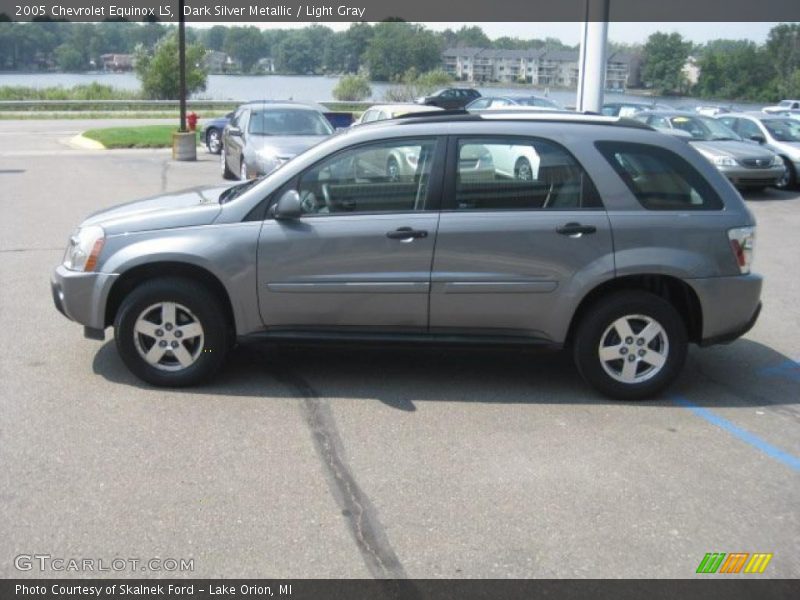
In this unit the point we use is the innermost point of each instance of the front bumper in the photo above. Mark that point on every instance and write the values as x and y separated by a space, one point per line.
82 297
730 306
744 177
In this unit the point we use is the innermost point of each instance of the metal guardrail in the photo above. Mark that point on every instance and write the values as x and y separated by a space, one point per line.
150 104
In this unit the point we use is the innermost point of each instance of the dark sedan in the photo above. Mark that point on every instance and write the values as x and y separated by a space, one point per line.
450 98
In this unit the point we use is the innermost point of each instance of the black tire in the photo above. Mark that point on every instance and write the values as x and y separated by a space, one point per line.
392 169
523 170
226 172
593 329
214 140
790 182
204 305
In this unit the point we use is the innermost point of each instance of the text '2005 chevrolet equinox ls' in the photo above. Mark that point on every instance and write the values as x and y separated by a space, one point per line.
593 233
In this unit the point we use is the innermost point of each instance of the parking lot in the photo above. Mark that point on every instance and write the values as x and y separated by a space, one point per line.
353 462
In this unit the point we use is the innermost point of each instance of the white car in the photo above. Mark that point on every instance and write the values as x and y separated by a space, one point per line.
380 112
782 105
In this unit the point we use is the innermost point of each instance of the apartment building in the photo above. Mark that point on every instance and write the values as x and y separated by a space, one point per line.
556 68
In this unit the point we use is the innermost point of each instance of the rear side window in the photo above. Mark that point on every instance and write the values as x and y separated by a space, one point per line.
659 178
517 173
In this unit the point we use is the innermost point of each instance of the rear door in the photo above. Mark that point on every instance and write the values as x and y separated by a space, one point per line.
360 255
510 248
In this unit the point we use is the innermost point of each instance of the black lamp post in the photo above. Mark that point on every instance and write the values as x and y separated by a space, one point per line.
182 62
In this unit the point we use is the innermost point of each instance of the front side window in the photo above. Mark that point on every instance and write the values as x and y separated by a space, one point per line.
747 129
384 177
783 130
659 178
520 174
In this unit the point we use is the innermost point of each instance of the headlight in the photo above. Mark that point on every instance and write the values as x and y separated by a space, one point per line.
724 161
84 248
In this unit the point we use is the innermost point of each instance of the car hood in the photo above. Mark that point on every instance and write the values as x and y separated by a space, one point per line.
188 208
284 147
733 149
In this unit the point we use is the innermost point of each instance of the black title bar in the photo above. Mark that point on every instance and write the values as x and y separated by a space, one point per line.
322 11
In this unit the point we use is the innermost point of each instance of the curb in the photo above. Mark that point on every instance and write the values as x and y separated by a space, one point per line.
84 143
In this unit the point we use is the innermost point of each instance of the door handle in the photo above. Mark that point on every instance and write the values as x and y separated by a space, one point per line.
575 229
406 233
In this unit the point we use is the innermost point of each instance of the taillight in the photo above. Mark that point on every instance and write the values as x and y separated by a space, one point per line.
742 242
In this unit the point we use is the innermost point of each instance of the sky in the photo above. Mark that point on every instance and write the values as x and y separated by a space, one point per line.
569 33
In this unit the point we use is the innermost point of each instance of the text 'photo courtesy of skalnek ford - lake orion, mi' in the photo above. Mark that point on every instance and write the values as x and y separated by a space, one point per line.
396 301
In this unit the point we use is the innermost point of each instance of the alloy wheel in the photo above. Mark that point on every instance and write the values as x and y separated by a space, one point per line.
168 336
633 349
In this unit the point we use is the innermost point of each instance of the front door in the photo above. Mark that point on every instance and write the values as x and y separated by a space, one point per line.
360 255
521 226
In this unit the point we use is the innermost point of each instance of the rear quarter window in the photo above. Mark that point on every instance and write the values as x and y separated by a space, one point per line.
659 178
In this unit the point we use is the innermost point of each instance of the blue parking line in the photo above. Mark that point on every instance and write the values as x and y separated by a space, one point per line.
789 369
789 460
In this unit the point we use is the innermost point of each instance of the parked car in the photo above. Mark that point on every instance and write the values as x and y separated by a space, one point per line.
531 101
711 110
211 132
791 114
779 134
627 109
450 98
380 112
211 129
261 137
782 105
744 163
317 251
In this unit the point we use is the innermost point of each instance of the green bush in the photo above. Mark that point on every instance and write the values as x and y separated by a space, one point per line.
352 88
413 85
92 91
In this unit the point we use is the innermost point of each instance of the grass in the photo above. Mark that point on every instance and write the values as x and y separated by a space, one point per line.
146 136
107 114
92 91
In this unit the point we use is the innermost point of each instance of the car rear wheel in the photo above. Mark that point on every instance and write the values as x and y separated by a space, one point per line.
789 179
223 166
169 332
392 169
630 345
522 170
213 141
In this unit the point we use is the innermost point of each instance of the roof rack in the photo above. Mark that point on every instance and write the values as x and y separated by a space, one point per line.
450 116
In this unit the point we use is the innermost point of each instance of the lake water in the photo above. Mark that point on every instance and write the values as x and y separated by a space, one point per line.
282 87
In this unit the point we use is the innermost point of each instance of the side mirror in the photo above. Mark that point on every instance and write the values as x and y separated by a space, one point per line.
289 206
234 131
758 138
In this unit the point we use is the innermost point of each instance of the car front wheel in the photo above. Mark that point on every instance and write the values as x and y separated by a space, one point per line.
630 345
213 141
789 178
170 332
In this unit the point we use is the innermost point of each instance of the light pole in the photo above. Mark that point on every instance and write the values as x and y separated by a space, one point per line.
592 58
184 142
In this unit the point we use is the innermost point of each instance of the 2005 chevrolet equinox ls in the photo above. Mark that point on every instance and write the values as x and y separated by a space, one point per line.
593 233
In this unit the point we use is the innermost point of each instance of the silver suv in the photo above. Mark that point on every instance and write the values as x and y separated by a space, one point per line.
620 243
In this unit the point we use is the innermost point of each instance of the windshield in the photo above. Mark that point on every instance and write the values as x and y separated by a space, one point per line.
288 121
704 128
783 130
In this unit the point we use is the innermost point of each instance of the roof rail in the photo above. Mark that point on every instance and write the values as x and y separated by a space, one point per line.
516 115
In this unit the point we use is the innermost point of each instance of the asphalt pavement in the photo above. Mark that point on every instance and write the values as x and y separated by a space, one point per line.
352 462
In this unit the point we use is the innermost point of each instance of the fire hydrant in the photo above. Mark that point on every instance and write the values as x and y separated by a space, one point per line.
191 121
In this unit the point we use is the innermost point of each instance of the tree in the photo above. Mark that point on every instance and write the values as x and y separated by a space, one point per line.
734 69
414 85
159 72
352 87
214 38
246 45
295 54
70 58
783 49
395 47
665 55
